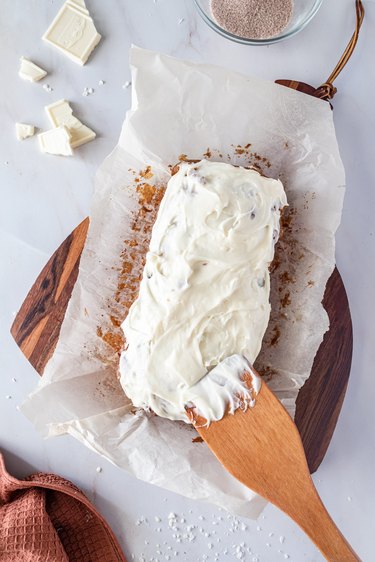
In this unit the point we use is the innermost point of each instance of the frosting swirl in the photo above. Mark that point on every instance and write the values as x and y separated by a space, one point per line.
204 295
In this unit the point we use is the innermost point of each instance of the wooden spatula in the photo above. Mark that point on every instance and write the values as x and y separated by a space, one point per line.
262 448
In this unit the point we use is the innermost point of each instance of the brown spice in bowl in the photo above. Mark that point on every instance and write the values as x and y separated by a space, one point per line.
253 19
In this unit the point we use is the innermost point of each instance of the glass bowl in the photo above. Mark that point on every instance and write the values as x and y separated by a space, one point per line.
304 11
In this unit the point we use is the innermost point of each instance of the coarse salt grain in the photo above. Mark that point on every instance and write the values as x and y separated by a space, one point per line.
253 19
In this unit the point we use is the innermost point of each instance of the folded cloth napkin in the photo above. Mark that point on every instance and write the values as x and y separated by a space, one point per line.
45 518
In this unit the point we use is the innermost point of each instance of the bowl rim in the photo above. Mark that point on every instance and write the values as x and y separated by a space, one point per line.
248 41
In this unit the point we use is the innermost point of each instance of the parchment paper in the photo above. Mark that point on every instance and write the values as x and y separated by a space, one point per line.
180 108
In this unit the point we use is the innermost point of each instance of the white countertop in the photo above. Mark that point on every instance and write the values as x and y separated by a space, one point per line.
44 197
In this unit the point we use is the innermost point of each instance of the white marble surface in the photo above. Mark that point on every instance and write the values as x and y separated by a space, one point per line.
44 197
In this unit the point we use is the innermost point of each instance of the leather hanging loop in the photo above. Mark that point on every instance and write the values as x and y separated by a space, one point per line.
327 90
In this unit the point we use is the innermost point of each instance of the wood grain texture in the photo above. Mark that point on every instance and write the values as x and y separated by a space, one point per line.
262 448
320 399
37 327
300 86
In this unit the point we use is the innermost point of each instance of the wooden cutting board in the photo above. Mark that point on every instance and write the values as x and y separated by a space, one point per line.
37 326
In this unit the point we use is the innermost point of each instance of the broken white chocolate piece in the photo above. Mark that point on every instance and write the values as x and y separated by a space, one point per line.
24 131
31 71
60 113
73 31
79 3
56 141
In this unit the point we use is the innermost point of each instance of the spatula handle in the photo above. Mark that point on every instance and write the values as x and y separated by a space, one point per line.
315 520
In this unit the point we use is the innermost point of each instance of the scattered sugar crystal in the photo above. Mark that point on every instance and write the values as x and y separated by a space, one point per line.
210 545
270 534
99 469
349 498
14 379
101 82
282 539
157 519
47 88
180 21
243 527
127 84
286 556
8 397
259 528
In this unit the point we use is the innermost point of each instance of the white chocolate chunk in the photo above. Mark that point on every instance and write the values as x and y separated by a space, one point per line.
60 113
56 141
31 71
24 131
73 32
80 3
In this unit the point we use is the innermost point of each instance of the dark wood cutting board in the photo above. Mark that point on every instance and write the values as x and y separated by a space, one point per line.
37 326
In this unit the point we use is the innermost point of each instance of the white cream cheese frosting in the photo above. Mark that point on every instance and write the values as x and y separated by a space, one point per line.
204 294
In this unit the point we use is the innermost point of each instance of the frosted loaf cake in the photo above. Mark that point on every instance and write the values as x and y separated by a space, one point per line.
204 294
